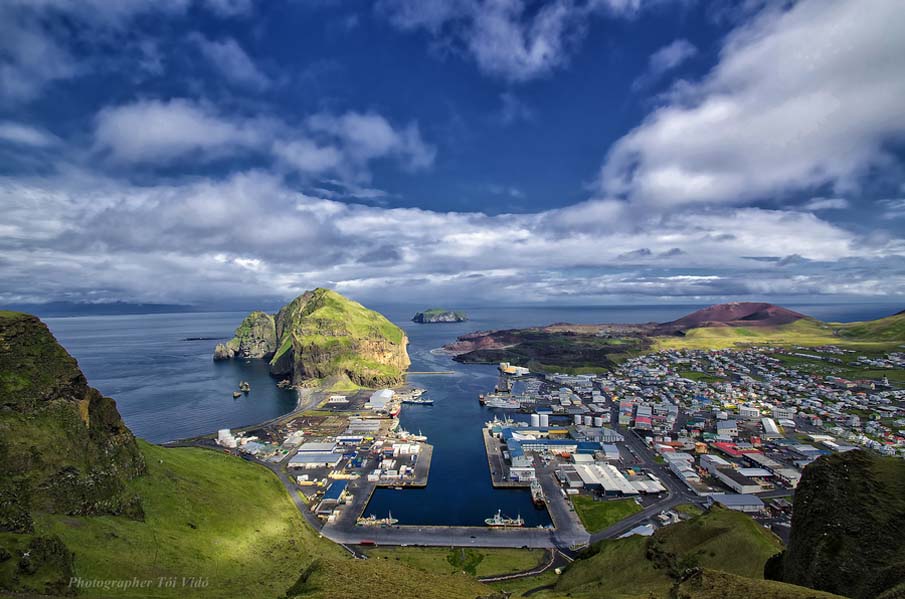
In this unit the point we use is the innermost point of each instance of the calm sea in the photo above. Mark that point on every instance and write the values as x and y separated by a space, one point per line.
159 370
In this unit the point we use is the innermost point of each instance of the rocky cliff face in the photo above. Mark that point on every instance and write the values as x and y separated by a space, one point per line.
322 334
63 446
256 337
848 528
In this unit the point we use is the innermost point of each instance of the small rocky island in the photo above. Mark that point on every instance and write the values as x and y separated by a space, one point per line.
322 334
435 315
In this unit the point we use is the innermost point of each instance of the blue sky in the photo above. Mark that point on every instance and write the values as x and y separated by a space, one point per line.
570 151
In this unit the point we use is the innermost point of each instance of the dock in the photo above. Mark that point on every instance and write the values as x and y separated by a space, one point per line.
422 470
499 471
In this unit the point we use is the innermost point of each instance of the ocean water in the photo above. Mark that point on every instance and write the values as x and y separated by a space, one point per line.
167 387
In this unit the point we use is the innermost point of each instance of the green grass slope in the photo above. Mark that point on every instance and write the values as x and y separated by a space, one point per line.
874 334
891 328
848 527
215 526
637 567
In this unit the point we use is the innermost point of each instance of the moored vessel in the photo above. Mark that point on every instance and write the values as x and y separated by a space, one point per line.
501 521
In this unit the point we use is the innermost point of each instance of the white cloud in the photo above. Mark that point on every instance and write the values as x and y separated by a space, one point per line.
30 59
344 145
666 59
800 98
893 208
251 235
21 134
510 39
158 131
306 156
826 204
366 136
228 57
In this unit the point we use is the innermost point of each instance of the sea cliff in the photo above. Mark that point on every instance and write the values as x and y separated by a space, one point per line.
322 334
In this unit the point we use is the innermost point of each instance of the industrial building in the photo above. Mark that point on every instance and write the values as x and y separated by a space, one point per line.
739 503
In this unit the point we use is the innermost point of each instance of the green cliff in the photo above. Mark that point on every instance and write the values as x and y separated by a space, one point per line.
256 337
321 334
848 527
63 447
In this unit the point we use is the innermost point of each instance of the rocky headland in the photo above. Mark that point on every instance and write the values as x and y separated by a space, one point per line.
322 334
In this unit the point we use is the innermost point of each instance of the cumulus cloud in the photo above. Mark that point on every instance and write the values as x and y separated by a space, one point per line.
510 39
228 57
785 109
161 132
26 135
826 204
252 235
666 59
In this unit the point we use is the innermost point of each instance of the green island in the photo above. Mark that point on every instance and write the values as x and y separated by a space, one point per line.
439 315
322 336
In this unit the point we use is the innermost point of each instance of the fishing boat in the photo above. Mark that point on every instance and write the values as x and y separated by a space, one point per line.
419 402
373 520
537 494
244 387
237 394
501 521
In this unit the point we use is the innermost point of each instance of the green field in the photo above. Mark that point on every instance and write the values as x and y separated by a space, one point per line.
476 561
230 525
639 567
597 515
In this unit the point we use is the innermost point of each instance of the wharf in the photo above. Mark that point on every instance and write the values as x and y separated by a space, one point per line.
422 470
499 471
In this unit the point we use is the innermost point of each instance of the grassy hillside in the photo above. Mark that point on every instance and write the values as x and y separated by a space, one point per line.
848 526
891 328
636 567
876 334
228 524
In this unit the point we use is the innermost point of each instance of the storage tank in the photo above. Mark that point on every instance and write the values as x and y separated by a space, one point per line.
588 420
577 418
598 421
535 420
545 420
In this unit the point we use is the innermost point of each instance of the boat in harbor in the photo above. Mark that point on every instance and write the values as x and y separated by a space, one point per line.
373 520
419 402
494 400
244 387
537 494
501 521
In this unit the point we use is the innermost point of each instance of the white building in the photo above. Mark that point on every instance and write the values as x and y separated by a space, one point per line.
380 399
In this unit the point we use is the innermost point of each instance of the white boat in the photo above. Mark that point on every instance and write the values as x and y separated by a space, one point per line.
498 520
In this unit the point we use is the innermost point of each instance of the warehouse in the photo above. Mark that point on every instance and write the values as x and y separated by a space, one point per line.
736 481
739 503
605 478
315 460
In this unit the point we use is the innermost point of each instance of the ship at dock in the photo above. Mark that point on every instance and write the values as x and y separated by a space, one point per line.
497 400
537 494
501 521
373 520
419 401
